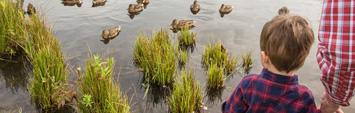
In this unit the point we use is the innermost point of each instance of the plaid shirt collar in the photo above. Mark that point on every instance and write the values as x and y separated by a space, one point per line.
282 79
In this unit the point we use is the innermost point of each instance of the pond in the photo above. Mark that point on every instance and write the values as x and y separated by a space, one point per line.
79 27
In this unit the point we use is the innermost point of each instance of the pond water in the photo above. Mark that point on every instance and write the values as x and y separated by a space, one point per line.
79 27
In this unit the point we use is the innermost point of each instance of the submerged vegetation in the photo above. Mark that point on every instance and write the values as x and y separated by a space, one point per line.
97 91
187 95
157 57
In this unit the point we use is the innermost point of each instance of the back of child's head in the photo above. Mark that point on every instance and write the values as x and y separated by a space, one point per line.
287 40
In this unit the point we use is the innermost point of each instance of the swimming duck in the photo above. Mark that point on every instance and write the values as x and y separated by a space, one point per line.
284 11
71 1
225 9
134 8
180 24
195 7
31 9
111 32
98 2
143 1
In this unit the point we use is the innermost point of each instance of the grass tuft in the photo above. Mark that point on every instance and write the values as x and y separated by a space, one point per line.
183 56
187 95
215 77
248 60
186 39
98 92
157 57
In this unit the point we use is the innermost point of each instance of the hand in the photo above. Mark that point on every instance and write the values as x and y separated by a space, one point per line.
327 106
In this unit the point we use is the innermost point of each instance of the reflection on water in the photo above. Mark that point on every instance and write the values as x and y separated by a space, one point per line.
214 96
15 74
156 94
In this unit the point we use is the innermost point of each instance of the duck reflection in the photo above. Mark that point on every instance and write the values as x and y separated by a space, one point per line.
72 3
225 9
134 9
195 8
15 74
96 3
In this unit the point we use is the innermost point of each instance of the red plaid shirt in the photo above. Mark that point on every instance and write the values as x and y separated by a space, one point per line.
270 93
336 50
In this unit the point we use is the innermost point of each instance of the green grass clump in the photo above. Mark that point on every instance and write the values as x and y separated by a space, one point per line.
12 28
156 57
186 38
247 60
48 85
183 56
215 53
97 91
187 95
215 77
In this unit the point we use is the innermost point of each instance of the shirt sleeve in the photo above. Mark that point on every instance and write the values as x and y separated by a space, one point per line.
308 100
235 103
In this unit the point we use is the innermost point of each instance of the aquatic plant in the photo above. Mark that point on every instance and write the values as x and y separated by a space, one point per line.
215 77
183 56
215 53
156 57
12 28
48 87
97 82
186 38
247 60
186 96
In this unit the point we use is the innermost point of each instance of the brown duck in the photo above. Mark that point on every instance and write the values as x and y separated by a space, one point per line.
195 7
180 24
111 32
98 2
225 9
143 1
135 8
71 1
31 9
284 11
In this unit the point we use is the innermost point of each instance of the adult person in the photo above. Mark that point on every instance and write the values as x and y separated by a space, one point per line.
336 54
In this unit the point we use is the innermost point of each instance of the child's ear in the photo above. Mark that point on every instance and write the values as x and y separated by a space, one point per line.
264 57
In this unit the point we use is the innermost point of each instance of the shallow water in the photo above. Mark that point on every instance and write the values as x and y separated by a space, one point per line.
79 28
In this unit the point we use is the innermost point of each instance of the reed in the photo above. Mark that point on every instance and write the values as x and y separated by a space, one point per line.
215 77
12 28
97 91
186 38
187 95
183 56
248 60
215 53
156 56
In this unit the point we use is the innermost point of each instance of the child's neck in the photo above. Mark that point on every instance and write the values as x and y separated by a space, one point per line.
274 70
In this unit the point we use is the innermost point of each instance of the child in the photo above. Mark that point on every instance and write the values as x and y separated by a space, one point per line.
285 42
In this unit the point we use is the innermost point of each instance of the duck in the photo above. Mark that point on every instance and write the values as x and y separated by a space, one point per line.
143 1
284 11
135 8
111 32
98 2
195 7
71 1
30 9
225 9
180 24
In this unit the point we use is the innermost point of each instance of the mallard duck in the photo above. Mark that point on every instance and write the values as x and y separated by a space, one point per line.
111 32
143 1
71 1
284 11
225 9
195 7
134 8
98 2
180 24
31 9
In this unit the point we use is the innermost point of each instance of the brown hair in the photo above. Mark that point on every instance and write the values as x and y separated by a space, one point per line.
287 40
